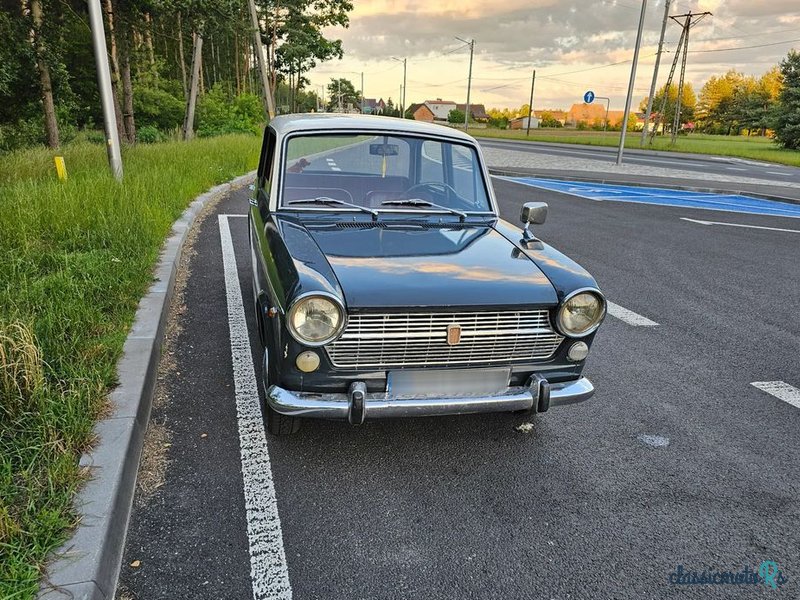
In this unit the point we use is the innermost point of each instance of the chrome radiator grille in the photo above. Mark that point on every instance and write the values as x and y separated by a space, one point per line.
421 339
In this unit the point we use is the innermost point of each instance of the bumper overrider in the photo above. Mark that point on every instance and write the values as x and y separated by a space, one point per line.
357 404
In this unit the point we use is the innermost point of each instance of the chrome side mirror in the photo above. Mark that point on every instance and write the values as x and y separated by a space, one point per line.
532 213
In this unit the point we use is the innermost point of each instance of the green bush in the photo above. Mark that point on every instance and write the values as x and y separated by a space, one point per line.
149 135
158 107
218 113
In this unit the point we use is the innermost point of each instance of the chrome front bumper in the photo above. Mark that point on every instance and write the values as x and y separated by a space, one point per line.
356 406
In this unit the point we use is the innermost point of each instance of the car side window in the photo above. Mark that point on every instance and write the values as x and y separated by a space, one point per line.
267 157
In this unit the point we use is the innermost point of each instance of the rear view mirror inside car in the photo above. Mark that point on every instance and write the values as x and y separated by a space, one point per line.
384 149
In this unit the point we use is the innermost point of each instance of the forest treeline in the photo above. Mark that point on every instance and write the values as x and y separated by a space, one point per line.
48 82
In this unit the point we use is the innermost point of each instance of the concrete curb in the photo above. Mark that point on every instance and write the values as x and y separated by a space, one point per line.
506 172
87 566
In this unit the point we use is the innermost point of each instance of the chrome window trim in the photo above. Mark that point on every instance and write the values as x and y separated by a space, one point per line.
276 199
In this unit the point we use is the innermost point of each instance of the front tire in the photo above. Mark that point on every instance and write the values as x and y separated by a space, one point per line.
274 422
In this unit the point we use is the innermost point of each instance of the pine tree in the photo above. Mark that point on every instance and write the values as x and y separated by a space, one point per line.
787 122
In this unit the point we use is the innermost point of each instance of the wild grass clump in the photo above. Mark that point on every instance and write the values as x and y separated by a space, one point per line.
75 258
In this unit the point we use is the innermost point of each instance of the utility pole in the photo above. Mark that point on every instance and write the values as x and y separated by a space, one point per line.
262 62
191 101
469 80
654 82
104 83
362 92
530 105
402 98
691 19
629 97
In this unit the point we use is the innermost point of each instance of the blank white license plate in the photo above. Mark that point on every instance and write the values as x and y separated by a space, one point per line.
446 382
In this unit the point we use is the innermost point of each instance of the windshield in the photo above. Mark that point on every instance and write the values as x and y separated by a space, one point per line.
383 172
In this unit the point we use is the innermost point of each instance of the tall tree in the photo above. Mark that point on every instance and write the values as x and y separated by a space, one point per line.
342 95
50 121
787 121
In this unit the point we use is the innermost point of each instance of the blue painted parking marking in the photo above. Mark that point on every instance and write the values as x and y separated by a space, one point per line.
664 197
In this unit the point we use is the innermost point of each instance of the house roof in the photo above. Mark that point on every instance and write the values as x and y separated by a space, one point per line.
478 110
440 108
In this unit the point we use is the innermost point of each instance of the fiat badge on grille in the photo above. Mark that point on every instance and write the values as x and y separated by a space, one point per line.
453 334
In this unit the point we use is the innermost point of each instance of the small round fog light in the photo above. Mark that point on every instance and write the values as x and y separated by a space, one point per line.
308 361
578 351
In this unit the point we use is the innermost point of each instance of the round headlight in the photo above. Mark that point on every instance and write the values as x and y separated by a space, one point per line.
315 320
581 314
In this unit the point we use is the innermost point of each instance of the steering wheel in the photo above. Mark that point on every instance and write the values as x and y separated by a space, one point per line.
444 188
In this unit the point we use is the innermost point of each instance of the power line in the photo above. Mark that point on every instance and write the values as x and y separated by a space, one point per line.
745 47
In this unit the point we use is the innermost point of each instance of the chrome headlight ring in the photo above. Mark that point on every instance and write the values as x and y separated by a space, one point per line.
311 313
595 319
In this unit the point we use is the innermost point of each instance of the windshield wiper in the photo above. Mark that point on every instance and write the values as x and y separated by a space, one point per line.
328 200
421 202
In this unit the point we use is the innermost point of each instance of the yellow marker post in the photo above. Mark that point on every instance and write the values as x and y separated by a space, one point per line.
61 167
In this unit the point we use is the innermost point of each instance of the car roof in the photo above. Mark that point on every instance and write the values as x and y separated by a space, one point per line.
285 124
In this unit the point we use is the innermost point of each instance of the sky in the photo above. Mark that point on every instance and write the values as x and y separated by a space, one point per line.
568 42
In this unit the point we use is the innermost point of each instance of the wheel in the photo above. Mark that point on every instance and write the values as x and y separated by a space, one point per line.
274 422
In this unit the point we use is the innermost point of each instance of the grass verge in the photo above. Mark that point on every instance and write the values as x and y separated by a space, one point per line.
75 258
755 148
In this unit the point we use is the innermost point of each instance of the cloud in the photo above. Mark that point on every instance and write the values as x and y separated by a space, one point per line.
555 37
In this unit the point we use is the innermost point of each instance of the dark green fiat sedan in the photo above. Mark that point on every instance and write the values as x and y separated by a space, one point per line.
387 285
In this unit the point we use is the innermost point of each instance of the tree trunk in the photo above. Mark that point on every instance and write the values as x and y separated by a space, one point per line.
127 98
197 56
236 63
148 39
181 58
115 75
50 121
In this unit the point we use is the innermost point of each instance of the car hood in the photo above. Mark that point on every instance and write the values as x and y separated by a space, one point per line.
387 266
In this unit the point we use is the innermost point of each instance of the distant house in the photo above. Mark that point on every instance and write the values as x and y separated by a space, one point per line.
373 106
522 122
557 114
590 114
421 112
439 110
477 111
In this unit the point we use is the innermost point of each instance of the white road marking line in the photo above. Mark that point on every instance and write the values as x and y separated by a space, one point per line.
781 390
335 169
735 169
779 173
232 215
656 441
699 222
268 570
628 316
330 160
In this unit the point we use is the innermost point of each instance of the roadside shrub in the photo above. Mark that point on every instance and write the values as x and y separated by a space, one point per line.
149 135
219 114
94 136
157 107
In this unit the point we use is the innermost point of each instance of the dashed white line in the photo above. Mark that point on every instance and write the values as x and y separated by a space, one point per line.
335 169
781 390
735 169
628 316
268 571
699 222
781 173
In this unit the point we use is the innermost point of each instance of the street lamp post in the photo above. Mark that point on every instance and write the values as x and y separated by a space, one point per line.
629 97
403 93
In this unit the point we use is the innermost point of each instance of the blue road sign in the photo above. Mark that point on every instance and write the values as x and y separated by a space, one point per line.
588 97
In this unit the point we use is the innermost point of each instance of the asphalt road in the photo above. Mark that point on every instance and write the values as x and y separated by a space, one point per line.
677 460
669 160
